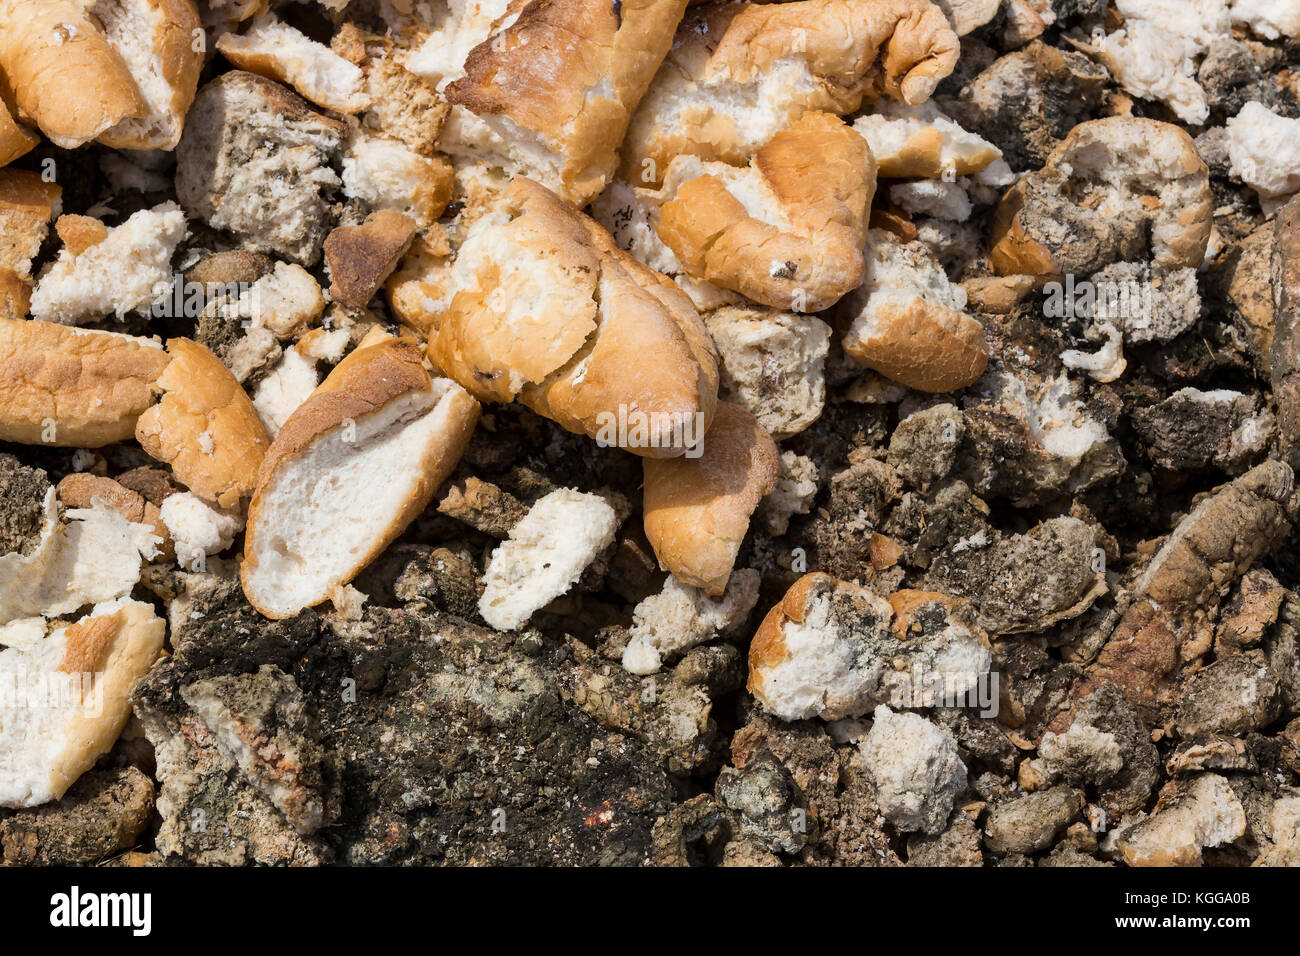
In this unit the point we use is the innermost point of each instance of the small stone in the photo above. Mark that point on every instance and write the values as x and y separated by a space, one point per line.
1031 822
103 813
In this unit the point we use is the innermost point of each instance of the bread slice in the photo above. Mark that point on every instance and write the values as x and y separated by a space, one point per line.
697 510
123 273
272 48
74 388
350 469
65 75
80 677
786 231
545 555
156 40
739 73
204 426
908 321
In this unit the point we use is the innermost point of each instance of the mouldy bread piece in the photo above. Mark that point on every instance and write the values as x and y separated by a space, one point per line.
272 48
832 649
917 770
668 624
921 141
772 364
156 40
697 509
1265 152
64 74
387 175
1202 811
243 134
968 15
796 487
204 426
91 666
544 555
285 302
375 440
1118 189
543 307
125 272
907 320
786 231
550 92
738 74
68 387
361 257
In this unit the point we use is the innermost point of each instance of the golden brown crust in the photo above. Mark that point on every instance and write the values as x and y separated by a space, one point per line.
361 257
822 177
79 233
63 72
204 426
767 649
15 296
67 387
421 277
27 203
15 139
80 490
923 345
697 510
542 72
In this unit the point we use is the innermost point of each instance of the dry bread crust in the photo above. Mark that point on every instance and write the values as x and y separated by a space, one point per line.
822 177
566 75
204 426
923 345
15 139
556 315
64 74
361 257
91 387
697 510
738 73
370 378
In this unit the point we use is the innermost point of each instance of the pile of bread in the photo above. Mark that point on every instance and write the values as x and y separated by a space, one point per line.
566 205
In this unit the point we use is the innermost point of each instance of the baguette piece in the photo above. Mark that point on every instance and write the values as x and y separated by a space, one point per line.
204 426
349 471
920 141
543 307
45 748
15 139
274 49
787 231
697 510
73 388
156 40
549 91
739 73
65 75
27 204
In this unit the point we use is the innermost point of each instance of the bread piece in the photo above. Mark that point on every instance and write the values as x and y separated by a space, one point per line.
274 49
97 660
1264 149
27 204
739 73
283 390
73 388
15 296
545 555
387 175
198 528
1120 189
256 160
908 323
349 470
126 271
15 139
80 491
286 301
542 306
908 141
416 291
65 75
668 624
697 509
548 88
79 233
403 107
204 426
156 40
361 257
788 230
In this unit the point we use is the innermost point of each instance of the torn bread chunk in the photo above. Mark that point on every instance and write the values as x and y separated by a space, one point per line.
272 48
74 687
908 320
1271 19
283 390
543 307
668 624
286 302
1264 149
697 507
796 488
1191 814
73 388
787 230
198 529
377 438
256 160
739 73
545 555
156 40
81 490
204 426
387 175
920 141
125 272
27 205
15 139
361 257
549 90
1156 64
